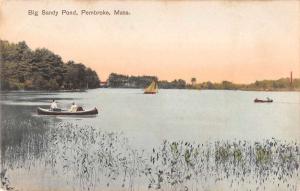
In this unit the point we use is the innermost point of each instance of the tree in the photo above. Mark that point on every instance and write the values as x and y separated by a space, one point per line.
41 69
193 81
53 85
39 83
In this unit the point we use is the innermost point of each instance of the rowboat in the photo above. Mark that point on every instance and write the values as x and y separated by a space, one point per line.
263 101
152 88
42 111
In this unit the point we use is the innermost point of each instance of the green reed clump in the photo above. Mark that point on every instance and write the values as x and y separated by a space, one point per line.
237 154
263 155
222 153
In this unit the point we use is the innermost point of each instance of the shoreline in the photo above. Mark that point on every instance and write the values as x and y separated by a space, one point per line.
78 90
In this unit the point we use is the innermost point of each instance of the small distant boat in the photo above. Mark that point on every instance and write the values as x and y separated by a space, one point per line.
42 111
152 88
268 100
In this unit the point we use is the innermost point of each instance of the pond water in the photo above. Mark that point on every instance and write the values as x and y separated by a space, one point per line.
174 140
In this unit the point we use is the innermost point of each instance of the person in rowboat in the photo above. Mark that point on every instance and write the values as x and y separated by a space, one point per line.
53 105
73 107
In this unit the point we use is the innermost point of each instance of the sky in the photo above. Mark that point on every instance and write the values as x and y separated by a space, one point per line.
238 41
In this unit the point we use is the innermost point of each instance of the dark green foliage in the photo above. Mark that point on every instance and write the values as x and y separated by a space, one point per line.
271 85
41 69
175 84
282 83
123 81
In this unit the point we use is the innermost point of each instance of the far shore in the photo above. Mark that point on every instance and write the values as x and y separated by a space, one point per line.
84 90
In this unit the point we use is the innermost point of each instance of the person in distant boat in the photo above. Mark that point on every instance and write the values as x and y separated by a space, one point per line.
53 105
73 107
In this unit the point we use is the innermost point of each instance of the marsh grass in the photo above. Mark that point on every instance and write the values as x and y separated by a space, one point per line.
22 137
91 159
94 157
97 158
22 141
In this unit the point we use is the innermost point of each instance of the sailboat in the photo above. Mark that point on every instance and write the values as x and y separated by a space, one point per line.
152 88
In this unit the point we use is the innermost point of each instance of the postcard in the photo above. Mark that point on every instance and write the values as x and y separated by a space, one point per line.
150 95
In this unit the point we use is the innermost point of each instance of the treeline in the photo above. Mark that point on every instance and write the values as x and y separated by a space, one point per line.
263 85
41 69
124 81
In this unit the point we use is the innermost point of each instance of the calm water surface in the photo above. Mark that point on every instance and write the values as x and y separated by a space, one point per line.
175 140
